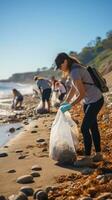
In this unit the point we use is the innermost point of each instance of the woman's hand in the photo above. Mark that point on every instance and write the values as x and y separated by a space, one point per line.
65 107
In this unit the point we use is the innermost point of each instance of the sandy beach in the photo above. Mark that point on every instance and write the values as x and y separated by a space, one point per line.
31 147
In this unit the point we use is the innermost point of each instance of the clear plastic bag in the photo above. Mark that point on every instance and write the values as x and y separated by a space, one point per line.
40 110
63 138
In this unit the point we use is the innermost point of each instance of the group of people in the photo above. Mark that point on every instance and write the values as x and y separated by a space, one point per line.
48 87
76 83
45 89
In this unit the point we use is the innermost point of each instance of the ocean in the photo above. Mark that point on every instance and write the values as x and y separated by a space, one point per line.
6 94
5 107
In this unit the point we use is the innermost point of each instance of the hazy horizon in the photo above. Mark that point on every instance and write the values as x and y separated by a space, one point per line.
34 31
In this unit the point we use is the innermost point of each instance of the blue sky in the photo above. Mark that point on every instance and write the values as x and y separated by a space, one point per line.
32 32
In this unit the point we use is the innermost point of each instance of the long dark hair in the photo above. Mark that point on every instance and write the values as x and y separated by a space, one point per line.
70 59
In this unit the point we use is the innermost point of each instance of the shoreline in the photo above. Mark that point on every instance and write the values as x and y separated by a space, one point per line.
24 151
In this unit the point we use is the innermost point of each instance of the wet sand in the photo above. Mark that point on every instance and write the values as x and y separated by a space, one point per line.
38 154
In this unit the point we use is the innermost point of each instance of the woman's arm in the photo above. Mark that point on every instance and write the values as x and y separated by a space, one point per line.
80 92
70 94
80 87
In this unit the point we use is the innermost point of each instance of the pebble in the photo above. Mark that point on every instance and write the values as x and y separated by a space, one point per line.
20 196
44 149
40 140
25 179
12 130
11 171
35 174
19 128
104 178
26 123
104 196
21 157
36 168
27 190
50 188
3 154
5 146
87 171
40 195
35 192
35 126
92 191
2 197
19 151
34 131
85 198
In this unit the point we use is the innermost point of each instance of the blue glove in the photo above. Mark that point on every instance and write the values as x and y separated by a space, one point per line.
65 108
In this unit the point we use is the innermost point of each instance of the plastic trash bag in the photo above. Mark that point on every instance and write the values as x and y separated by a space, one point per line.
41 110
63 138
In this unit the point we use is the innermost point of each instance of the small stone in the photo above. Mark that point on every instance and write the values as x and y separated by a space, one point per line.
35 174
2 197
44 149
40 140
25 179
34 131
26 123
21 157
3 154
12 130
105 196
5 146
11 171
36 168
87 171
85 198
35 192
19 128
20 196
19 151
50 188
92 191
27 190
41 195
35 126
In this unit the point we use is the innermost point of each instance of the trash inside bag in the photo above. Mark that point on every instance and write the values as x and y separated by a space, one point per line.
63 139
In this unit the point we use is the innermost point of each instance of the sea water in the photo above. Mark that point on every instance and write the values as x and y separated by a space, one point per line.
5 107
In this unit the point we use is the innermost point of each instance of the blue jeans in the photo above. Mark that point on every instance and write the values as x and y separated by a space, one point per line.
89 127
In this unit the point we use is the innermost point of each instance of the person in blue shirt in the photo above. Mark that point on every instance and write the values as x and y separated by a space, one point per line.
93 101
44 86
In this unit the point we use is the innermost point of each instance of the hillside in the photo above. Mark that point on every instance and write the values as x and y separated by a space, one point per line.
97 53
28 76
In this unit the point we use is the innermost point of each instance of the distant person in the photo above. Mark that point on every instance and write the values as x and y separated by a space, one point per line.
62 90
17 99
93 101
44 86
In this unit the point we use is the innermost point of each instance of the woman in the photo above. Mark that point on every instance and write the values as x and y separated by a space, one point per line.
93 102
44 86
17 99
